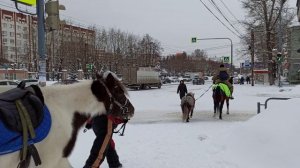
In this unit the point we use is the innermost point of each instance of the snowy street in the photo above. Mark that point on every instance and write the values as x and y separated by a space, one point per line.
156 137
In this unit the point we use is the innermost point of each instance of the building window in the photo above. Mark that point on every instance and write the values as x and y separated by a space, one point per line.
24 28
25 36
11 26
19 42
12 41
8 18
11 34
4 25
5 48
4 33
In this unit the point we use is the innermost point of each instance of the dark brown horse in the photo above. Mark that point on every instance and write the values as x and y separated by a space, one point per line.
219 97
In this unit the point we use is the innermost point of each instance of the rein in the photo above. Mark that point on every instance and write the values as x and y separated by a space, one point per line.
122 127
204 92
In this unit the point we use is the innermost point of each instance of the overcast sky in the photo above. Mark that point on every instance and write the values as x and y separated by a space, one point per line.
172 22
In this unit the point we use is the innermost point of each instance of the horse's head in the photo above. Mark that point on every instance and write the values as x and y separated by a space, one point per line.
109 90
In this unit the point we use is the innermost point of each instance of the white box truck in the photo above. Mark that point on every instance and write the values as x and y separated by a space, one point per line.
141 77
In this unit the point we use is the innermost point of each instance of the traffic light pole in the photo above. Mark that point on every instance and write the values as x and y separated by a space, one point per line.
41 42
231 52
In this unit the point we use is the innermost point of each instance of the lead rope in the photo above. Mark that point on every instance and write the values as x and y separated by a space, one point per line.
204 92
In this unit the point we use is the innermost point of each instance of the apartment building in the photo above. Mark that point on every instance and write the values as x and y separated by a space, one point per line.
293 54
19 42
15 37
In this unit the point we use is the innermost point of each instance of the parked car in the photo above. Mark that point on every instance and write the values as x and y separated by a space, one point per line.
7 84
166 80
66 82
29 82
198 81
236 80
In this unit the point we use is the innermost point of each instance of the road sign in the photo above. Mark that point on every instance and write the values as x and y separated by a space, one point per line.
27 2
226 59
194 39
247 63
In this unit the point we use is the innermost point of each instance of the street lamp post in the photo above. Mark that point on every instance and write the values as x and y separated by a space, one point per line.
231 50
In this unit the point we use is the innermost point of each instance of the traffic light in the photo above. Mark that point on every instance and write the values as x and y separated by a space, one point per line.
52 9
194 39
279 57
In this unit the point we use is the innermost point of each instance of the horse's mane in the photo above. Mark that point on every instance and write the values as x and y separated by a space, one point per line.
190 94
118 82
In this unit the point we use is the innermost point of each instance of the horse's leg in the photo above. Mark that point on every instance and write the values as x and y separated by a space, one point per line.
192 111
220 110
63 162
52 156
184 112
227 103
11 160
188 117
215 108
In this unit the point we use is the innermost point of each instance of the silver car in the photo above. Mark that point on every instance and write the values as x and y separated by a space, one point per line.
7 84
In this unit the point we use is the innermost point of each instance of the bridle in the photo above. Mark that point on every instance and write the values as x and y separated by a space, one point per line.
113 101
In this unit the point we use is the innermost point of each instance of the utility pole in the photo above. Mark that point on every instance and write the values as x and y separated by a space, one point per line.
41 42
252 57
280 43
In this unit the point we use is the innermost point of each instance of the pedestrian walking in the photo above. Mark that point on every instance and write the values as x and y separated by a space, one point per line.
182 90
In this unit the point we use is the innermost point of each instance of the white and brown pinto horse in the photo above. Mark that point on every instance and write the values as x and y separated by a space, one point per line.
65 103
187 106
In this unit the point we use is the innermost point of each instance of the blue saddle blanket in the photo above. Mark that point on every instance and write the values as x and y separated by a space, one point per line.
11 141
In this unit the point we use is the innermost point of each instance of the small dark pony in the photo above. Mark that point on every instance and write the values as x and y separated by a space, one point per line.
219 97
187 106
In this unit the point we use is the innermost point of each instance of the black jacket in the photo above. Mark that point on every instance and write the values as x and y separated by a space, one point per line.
182 90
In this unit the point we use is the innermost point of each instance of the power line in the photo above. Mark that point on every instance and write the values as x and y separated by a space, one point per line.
219 10
218 19
230 12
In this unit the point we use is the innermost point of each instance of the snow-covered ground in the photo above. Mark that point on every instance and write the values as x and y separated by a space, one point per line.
156 137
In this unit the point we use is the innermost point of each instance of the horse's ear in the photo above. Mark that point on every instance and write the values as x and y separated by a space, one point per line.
110 80
99 75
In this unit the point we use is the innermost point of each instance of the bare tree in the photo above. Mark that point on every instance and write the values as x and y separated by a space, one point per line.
263 17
